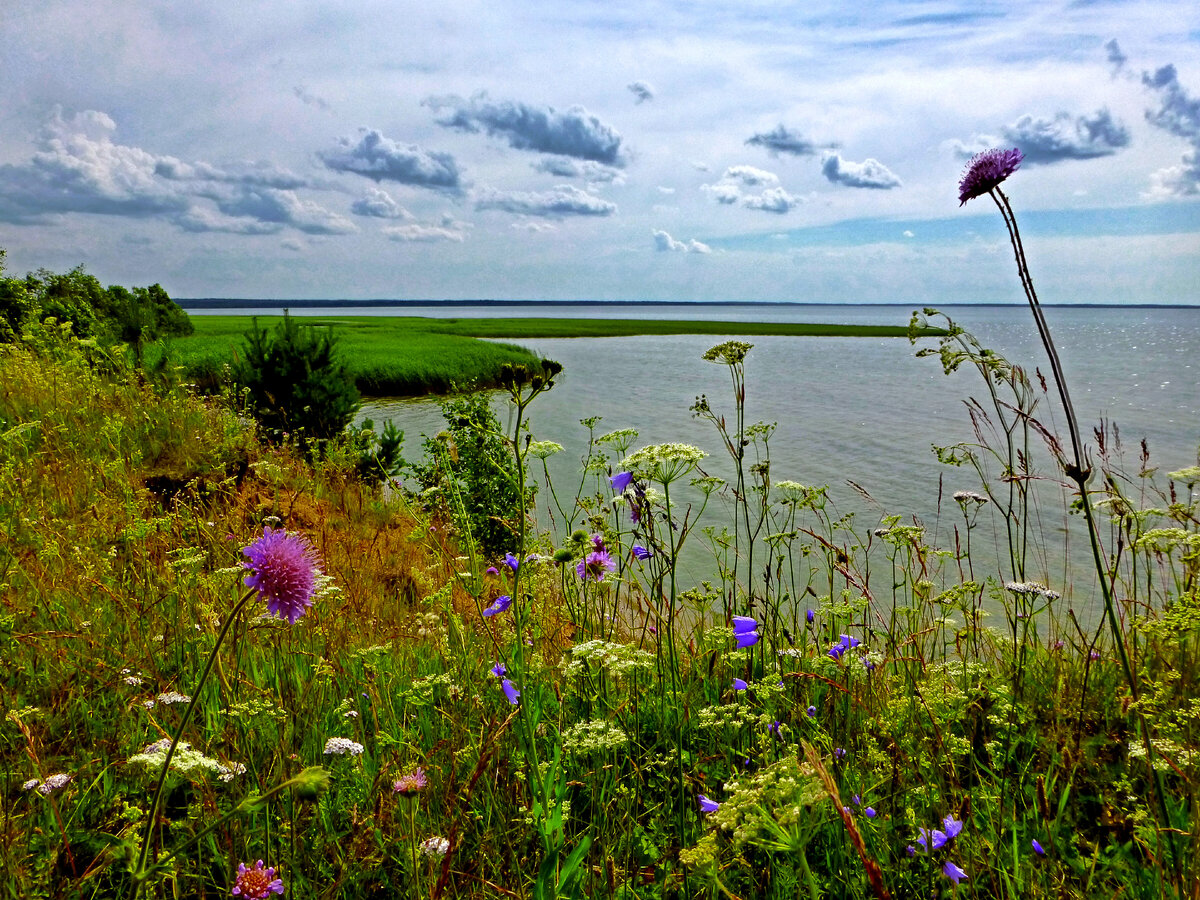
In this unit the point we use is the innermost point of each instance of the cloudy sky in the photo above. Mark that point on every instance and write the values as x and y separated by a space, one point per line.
624 150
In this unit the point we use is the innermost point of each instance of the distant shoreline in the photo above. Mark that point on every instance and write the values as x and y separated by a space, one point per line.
261 303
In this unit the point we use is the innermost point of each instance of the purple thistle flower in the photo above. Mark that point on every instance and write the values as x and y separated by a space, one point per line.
256 883
510 691
1037 847
595 565
739 685
499 670
986 171
706 805
620 482
283 569
640 552
411 783
512 562
499 605
953 872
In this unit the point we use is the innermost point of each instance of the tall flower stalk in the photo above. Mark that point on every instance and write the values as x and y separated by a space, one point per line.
984 174
283 570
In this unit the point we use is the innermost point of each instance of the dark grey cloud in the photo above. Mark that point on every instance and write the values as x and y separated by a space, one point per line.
564 200
566 167
641 91
380 205
1177 113
870 173
783 140
1045 141
383 159
574 132
79 168
1116 59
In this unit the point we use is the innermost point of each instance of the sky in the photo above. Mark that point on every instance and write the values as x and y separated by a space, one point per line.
728 150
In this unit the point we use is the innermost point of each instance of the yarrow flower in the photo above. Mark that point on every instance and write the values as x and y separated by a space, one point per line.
256 883
283 569
986 171
435 847
745 631
340 746
410 783
53 783
499 605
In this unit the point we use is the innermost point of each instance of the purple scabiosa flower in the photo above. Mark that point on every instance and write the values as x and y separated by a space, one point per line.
256 883
283 569
739 685
640 552
410 783
953 872
510 691
1037 847
986 171
499 605
499 670
621 481
595 566
706 805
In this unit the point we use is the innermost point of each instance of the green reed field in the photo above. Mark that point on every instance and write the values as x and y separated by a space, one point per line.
413 355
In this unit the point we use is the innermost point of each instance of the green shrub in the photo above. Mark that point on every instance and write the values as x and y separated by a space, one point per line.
297 385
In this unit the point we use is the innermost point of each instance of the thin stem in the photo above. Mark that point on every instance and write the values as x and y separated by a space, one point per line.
139 874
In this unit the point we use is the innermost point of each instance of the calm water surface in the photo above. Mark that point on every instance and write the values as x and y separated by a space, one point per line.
860 409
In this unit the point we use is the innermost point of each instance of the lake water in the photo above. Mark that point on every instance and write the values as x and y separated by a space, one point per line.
860 409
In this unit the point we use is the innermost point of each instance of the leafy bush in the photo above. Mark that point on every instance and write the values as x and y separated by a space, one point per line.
296 383
472 463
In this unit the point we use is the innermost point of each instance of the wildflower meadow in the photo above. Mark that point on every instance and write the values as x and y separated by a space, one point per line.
231 667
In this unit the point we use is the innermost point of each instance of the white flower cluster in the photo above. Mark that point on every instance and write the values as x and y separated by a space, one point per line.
969 497
593 737
543 449
185 761
166 699
1031 588
49 786
340 746
664 462
435 847
616 659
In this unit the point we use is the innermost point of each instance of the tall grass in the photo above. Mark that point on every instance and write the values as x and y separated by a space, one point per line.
892 722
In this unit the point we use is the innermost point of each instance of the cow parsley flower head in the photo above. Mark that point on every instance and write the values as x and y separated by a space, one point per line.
256 883
986 171
283 569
